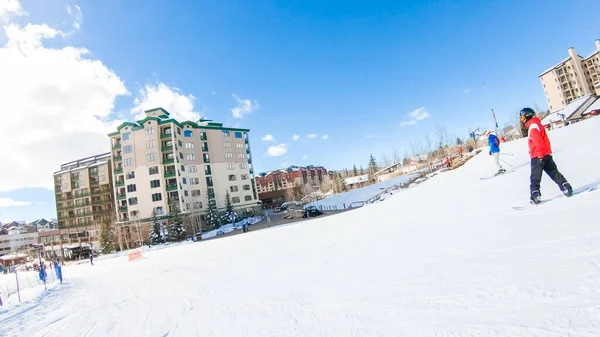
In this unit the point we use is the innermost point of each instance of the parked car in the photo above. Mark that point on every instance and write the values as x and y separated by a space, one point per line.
312 211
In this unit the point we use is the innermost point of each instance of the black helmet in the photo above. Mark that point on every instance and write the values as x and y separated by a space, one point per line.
526 114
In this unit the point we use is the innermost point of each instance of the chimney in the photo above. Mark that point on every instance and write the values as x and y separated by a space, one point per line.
598 44
572 53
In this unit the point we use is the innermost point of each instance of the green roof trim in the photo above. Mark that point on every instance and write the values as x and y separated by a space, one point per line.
149 118
165 112
112 134
126 124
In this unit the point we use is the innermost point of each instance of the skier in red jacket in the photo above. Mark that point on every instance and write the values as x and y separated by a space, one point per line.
540 152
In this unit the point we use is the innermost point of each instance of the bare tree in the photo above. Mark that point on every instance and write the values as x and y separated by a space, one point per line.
428 143
442 135
385 160
396 157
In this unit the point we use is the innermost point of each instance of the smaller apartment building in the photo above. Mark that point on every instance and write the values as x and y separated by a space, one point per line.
275 187
83 191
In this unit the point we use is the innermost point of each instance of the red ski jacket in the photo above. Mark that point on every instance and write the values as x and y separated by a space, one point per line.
539 144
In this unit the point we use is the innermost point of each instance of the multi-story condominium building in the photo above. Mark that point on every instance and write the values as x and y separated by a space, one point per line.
572 78
159 163
83 199
16 238
275 187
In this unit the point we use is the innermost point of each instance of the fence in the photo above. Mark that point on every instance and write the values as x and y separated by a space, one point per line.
26 280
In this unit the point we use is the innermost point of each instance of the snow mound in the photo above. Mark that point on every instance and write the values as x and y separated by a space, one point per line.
449 257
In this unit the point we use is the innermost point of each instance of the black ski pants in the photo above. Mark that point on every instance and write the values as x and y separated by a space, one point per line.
547 165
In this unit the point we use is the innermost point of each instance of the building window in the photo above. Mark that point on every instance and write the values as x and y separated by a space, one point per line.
187 133
235 200
205 146
185 182
128 162
189 145
227 144
241 155
248 198
153 170
150 144
203 135
178 131
192 168
195 193
246 187
133 201
158 210
231 177
131 188
149 130
226 133
239 145
228 155
183 168
194 181
191 156
244 177
151 156
180 143
243 165
238 134
207 170
127 149
130 175
197 205
126 135
180 155
154 183
157 197
209 182
230 166
233 188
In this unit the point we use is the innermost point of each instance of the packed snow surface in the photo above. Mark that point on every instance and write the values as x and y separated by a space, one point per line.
450 257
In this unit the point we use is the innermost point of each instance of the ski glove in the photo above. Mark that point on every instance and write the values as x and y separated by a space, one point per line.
490 153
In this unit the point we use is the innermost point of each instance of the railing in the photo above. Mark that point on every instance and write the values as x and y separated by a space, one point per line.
168 161
167 148
171 188
116 146
119 183
170 174
122 208
117 158
81 195
166 135
121 196
118 171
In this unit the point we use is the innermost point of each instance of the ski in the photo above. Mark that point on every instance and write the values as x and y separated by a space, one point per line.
578 191
497 174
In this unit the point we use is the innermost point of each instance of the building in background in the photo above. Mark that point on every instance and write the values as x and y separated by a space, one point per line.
44 224
159 163
572 78
292 184
16 237
83 190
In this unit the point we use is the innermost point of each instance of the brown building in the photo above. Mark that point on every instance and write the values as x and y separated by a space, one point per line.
291 184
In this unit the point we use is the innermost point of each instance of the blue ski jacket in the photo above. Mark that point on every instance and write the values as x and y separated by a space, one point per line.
494 143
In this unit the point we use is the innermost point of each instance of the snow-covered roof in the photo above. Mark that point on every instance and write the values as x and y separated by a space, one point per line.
594 106
357 179
385 168
592 54
575 107
556 65
12 257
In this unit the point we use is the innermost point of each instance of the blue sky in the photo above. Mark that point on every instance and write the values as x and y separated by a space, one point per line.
350 70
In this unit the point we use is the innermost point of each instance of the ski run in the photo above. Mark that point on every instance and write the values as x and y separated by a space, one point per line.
449 257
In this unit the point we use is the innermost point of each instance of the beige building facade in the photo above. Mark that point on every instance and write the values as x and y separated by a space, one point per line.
159 162
84 200
572 78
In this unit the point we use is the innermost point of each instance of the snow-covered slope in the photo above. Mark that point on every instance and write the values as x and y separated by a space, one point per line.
447 258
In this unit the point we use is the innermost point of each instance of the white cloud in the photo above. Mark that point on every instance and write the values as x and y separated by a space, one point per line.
9 8
245 107
8 202
324 137
312 136
277 150
295 137
78 19
268 138
305 157
180 106
416 116
56 104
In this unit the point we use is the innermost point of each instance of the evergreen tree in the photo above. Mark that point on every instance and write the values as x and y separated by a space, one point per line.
107 238
228 204
459 141
176 228
354 171
155 234
212 213
372 169
362 170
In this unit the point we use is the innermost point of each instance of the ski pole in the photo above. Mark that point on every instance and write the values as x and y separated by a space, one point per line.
506 154
504 161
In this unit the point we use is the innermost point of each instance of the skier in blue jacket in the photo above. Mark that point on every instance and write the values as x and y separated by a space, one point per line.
494 143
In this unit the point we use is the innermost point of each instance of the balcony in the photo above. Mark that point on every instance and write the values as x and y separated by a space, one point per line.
116 146
169 174
171 188
121 196
101 191
123 209
120 183
82 195
117 159
167 148
166 135
167 161
206 160
102 211
118 171
100 202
